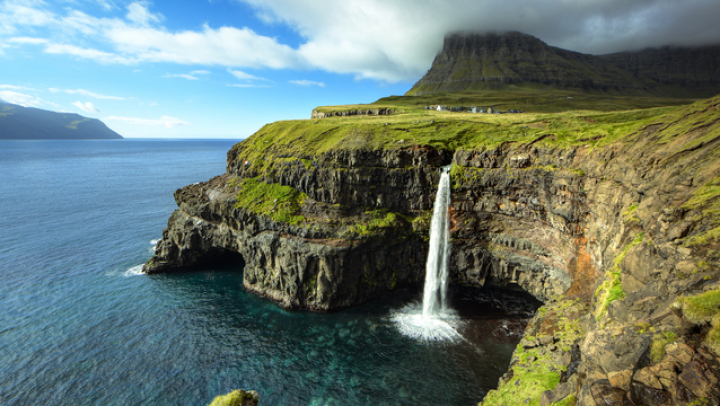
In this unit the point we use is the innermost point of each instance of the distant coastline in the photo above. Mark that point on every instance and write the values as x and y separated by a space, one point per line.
27 123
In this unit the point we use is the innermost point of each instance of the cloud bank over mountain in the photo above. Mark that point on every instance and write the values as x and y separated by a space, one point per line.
370 39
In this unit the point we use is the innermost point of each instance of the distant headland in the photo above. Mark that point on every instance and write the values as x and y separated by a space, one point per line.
27 123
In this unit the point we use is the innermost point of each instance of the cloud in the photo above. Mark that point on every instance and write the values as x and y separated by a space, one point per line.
21 99
22 13
393 41
370 39
86 107
139 14
181 75
305 82
166 121
88 93
14 87
244 76
28 40
189 76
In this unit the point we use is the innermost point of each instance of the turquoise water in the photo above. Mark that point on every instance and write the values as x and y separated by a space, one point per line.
80 326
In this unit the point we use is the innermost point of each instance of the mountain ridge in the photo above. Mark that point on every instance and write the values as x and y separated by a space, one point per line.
470 62
29 123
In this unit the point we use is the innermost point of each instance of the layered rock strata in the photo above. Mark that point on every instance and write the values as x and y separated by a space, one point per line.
616 229
471 61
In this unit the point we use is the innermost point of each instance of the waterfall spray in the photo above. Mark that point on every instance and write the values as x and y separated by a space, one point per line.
436 269
435 320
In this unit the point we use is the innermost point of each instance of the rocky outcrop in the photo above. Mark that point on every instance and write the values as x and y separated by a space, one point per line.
484 61
693 68
238 397
329 112
619 231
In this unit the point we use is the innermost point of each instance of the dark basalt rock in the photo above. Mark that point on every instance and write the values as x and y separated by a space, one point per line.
547 220
470 61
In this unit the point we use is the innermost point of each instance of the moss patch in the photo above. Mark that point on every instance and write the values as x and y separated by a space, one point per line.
657 348
611 288
536 370
701 309
235 398
281 203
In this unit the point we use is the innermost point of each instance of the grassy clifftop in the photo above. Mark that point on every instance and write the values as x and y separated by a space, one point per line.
452 131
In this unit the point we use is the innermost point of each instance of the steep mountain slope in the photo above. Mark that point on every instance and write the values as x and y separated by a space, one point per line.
696 69
24 123
484 61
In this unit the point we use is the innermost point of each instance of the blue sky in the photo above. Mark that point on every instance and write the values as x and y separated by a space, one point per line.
224 68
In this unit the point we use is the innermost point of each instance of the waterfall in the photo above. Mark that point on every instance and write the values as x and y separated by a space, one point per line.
436 269
433 320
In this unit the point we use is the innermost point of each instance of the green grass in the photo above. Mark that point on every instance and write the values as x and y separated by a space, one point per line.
281 203
706 199
533 99
657 348
442 130
570 400
530 385
704 308
379 220
73 124
611 288
531 378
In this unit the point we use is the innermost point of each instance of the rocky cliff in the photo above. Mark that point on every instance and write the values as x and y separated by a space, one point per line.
470 62
684 68
609 229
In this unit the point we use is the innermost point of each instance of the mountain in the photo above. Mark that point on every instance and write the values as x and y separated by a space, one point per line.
470 62
27 123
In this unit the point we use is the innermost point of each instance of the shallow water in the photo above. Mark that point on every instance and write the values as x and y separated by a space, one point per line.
79 325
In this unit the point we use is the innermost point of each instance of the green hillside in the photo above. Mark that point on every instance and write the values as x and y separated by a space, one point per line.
25 123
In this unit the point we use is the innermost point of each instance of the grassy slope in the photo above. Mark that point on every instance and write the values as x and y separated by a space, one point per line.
443 130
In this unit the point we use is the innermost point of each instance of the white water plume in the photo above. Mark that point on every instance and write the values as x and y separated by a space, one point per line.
134 271
434 321
436 269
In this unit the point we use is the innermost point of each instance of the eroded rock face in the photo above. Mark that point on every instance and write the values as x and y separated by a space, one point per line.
548 220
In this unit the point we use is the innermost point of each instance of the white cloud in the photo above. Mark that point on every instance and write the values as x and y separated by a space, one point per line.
28 40
382 40
244 76
200 72
306 82
397 40
181 75
87 53
14 87
166 121
23 13
86 107
21 99
139 14
88 93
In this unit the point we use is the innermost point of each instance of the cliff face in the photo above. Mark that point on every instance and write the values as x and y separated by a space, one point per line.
484 61
692 68
618 232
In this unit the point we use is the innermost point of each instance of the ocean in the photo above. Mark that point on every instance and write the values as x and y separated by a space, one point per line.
80 325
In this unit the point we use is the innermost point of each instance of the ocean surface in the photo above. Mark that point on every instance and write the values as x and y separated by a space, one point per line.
79 325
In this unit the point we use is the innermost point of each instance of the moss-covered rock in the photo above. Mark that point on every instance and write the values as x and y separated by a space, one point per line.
237 397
